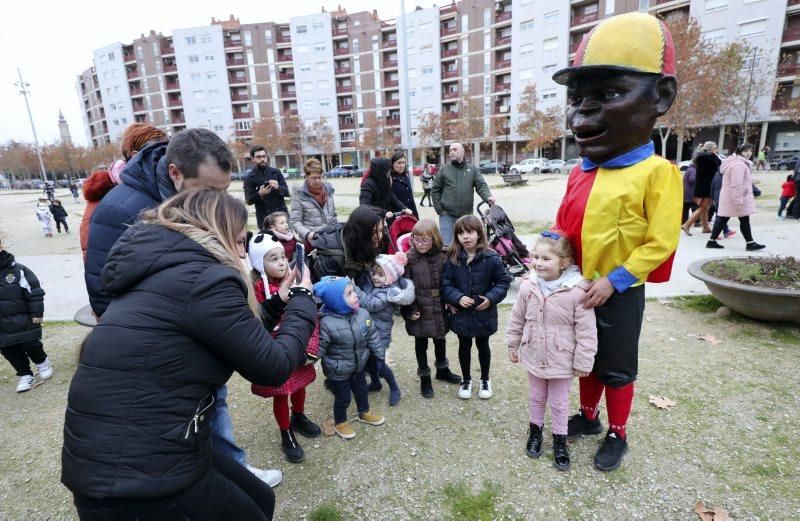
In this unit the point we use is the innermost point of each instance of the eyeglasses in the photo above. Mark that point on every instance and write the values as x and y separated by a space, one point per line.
550 235
422 240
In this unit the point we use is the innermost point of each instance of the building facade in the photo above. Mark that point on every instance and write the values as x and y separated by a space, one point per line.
375 84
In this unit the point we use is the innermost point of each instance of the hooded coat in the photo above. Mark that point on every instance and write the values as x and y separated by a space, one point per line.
346 341
425 269
94 189
380 303
146 183
736 195
139 404
21 299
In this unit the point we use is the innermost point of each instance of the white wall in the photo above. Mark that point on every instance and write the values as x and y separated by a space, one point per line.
206 101
113 80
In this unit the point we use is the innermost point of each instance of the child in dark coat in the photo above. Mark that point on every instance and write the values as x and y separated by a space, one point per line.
59 215
22 305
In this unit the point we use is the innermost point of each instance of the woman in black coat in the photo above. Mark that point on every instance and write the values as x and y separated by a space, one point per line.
376 190
707 165
182 319
402 182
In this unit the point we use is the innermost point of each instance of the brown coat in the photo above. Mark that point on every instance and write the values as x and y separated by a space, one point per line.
425 270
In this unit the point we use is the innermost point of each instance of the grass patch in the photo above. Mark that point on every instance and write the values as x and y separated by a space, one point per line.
785 335
532 227
771 272
468 506
326 512
700 303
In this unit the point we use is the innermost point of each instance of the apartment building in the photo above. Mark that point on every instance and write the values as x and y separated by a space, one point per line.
353 70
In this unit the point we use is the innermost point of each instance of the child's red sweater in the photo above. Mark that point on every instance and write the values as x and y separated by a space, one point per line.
787 189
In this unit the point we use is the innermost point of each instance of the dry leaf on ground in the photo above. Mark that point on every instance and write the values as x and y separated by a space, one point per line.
327 428
711 339
711 514
662 402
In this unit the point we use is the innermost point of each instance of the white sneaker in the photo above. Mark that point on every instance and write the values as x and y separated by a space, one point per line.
486 389
271 477
465 391
25 383
45 369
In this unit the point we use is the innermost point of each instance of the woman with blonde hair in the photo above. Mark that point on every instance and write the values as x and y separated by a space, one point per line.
183 317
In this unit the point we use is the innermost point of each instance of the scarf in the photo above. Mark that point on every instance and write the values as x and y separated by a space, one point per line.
569 277
282 236
320 195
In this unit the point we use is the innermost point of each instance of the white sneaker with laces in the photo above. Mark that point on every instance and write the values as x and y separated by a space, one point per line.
486 389
25 383
271 477
465 390
45 369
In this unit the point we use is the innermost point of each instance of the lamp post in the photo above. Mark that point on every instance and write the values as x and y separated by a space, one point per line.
23 89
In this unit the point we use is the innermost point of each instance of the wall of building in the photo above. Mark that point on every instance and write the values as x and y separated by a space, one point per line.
113 81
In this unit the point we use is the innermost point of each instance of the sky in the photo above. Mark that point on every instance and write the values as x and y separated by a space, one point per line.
53 42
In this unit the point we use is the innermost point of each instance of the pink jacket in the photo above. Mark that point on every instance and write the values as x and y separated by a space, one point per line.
552 335
736 196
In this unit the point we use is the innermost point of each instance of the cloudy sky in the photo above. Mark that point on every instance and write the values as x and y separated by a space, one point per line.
53 42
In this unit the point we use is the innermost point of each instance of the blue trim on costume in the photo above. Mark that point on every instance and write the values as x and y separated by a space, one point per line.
621 279
636 155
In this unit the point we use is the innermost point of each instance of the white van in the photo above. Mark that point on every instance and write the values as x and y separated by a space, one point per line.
530 166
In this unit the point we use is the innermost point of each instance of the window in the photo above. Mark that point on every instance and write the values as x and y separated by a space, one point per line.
427 69
412 73
318 26
268 36
487 18
321 66
305 67
549 68
220 128
190 40
715 36
244 125
209 57
307 86
199 94
427 90
322 85
716 5
139 53
749 63
426 49
215 110
213 93
550 44
201 110
754 28
124 121
211 75
319 46
303 49
325 103
412 93
301 29
525 50
550 18
196 76
206 38
643 5
526 74
426 27
248 38
526 25
548 94
111 56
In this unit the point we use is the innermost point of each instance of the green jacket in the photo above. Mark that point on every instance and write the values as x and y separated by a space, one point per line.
453 187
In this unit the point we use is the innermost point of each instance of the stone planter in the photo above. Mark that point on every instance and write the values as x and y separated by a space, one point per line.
779 305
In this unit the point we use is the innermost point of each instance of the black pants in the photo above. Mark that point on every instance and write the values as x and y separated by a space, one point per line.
796 209
465 355
227 491
619 324
59 222
356 385
688 208
426 193
421 350
722 222
18 355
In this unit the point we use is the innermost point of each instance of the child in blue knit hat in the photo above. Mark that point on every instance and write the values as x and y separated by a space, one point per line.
347 336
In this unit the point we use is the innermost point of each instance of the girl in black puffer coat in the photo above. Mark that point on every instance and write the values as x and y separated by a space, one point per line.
426 317
474 282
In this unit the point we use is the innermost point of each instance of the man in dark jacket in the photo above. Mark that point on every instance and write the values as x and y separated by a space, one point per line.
264 186
21 311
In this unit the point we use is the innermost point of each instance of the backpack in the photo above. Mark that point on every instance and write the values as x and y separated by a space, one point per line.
328 255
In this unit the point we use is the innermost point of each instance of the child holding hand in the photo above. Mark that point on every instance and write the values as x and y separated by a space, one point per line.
554 337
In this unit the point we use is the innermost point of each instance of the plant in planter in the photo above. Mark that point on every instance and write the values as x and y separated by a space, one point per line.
764 288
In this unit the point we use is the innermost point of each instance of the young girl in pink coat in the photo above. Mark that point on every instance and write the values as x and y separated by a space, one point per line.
554 338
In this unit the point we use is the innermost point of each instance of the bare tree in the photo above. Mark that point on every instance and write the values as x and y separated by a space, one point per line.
320 136
429 131
539 127
267 133
753 82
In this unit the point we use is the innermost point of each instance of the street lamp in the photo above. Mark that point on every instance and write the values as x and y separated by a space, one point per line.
23 89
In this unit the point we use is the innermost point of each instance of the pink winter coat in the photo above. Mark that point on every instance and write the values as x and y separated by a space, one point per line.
736 196
552 335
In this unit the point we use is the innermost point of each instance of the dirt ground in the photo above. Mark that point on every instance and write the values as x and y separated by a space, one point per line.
729 440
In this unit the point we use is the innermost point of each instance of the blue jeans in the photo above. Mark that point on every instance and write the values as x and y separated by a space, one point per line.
446 223
342 389
222 428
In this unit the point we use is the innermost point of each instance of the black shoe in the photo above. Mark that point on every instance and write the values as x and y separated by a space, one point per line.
578 425
425 386
534 446
560 452
375 386
446 375
609 455
714 245
302 425
754 246
293 451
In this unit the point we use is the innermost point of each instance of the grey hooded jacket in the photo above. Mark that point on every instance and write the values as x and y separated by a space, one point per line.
380 303
345 342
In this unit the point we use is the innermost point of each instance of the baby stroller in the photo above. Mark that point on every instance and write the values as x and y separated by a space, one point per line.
501 237
400 233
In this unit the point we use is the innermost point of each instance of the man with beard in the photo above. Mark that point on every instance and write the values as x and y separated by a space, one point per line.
264 186
622 205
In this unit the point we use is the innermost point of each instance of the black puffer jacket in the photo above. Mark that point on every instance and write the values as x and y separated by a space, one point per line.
21 299
402 186
374 195
425 270
139 403
331 257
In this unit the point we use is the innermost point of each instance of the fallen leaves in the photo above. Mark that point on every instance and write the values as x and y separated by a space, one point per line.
711 514
327 427
711 339
662 402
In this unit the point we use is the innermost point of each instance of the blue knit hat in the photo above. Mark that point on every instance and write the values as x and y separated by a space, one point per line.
330 290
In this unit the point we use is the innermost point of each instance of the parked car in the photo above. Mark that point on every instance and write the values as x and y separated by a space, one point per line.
341 171
554 166
529 166
569 164
490 167
788 163
237 176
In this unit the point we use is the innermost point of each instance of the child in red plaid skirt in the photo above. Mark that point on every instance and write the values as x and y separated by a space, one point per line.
270 271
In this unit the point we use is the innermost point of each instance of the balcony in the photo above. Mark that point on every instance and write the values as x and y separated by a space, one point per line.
502 64
391 84
133 74
238 114
503 131
388 44
175 102
167 50
285 76
501 41
448 10
792 2
501 109
178 120
283 38
344 89
170 68
341 107
290 112
789 69
449 74
244 132
452 94
447 30
138 107
390 64
128 57
136 91
392 103
172 85
449 52
341 51
791 34
341 70
573 48
583 19
235 80
240 97
346 126
781 103
234 61
502 16
285 57
502 86
286 93
232 43
339 32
